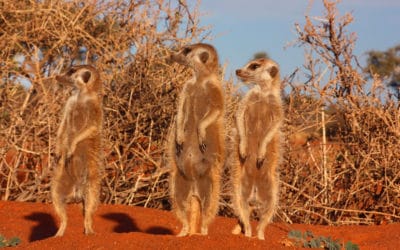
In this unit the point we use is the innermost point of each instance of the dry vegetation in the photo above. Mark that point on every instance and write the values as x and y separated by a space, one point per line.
341 164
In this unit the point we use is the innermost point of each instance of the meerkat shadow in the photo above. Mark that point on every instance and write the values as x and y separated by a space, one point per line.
159 231
125 224
45 227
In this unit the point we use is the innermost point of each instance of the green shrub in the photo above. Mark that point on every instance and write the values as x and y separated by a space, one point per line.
9 243
309 240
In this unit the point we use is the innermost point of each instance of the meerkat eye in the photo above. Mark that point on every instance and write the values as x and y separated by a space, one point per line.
254 66
71 71
186 51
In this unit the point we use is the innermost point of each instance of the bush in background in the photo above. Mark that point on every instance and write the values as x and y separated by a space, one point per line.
341 159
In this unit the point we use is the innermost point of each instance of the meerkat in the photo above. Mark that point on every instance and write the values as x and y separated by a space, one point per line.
196 145
77 175
258 120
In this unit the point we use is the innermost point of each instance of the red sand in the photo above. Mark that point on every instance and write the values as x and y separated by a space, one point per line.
125 227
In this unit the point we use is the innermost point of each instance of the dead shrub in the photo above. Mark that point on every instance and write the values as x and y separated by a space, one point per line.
346 170
341 163
126 40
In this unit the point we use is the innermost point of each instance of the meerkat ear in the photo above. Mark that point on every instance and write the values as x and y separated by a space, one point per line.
204 57
86 76
273 71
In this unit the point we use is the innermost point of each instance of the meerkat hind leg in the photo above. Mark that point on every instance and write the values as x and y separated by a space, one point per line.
268 210
59 191
195 211
243 212
89 206
59 206
181 196
264 221
245 218
208 192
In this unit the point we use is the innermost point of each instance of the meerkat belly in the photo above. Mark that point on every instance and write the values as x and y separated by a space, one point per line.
79 163
197 163
258 123
79 119
256 186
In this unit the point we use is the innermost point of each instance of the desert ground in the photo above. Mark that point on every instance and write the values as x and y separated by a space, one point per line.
129 227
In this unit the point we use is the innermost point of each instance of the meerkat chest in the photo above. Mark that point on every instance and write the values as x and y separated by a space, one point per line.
198 100
259 112
77 115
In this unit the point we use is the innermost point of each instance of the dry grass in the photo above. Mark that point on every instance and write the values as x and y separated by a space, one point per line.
348 170
341 159
128 42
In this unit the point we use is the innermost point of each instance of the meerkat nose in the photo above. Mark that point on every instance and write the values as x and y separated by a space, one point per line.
238 71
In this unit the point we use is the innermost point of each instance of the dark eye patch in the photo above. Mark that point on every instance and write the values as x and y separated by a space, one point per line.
186 51
71 71
254 66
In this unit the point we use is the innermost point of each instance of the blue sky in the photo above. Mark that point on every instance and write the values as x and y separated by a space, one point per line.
240 28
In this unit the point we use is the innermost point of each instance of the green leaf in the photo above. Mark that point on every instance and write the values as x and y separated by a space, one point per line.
295 234
308 234
351 246
315 243
331 244
14 241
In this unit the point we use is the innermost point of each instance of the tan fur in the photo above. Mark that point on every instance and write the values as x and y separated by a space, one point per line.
255 172
197 141
78 147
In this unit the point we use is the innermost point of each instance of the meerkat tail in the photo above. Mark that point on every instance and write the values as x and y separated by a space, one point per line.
195 211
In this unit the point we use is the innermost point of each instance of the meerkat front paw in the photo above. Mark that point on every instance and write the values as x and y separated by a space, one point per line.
178 148
202 147
202 135
71 151
242 158
242 153
57 158
260 162
68 160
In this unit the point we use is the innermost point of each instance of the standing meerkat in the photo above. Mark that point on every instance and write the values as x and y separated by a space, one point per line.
196 145
78 147
258 119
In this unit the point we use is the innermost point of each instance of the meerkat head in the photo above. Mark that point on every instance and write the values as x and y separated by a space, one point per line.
84 77
260 71
200 57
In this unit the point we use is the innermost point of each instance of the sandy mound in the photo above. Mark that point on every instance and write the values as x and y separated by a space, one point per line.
125 227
